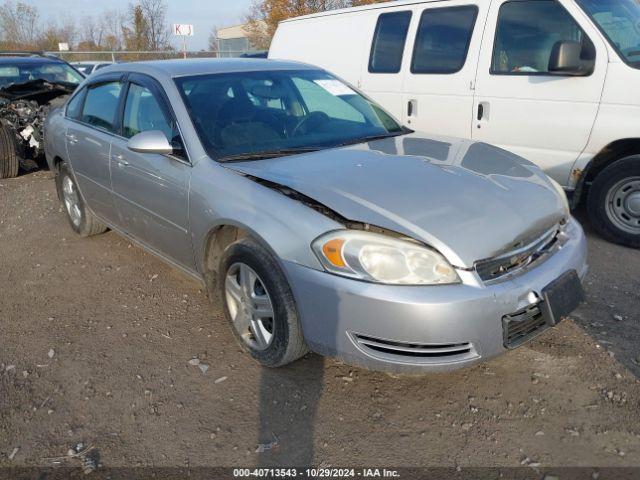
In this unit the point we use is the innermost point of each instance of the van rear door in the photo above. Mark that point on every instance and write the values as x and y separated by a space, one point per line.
521 105
440 66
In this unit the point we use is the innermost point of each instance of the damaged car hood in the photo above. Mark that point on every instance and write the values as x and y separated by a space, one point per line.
469 200
38 90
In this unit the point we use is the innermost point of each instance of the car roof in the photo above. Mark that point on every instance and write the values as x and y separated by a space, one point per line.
10 60
179 68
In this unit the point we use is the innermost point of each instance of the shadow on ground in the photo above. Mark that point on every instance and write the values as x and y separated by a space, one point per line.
289 400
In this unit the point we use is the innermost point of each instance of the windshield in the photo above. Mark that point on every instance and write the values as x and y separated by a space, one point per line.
270 112
619 20
28 71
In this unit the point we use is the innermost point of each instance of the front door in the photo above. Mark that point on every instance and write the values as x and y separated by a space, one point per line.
546 118
151 191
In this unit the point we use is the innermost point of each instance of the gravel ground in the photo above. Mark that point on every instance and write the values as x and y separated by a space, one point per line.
98 340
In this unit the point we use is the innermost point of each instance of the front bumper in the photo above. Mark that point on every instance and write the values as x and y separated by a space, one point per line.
416 328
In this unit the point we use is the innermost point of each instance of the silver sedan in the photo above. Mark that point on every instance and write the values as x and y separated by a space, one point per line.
319 220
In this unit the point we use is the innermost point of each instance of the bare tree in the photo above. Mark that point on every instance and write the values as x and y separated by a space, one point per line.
92 33
19 26
213 39
54 33
113 22
136 31
155 14
146 26
264 15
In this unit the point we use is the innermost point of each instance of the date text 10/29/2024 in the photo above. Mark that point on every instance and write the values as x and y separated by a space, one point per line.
315 473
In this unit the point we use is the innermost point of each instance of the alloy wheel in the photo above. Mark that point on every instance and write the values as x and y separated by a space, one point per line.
71 200
250 306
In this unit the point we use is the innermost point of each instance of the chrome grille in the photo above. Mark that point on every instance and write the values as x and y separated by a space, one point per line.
493 269
414 352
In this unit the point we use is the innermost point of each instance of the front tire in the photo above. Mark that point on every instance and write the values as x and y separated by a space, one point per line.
259 305
9 159
613 203
82 221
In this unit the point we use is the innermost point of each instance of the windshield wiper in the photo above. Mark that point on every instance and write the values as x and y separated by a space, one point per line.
371 138
269 154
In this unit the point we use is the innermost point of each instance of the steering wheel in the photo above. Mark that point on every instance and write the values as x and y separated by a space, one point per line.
317 117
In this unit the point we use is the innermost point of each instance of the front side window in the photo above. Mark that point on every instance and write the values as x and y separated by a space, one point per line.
443 39
527 32
101 105
275 112
388 42
619 20
143 112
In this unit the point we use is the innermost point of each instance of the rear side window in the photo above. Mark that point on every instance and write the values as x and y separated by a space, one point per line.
443 38
101 105
526 34
388 42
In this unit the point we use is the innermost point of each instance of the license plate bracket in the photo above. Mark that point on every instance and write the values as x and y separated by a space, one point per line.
561 297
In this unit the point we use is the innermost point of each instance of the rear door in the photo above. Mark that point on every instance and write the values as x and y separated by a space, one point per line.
546 118
89 135
440 66
151 191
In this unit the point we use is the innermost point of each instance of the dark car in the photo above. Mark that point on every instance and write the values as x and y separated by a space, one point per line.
258 54
30 85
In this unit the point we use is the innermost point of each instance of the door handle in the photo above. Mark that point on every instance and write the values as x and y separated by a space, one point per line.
120 160
72 138
411 108
483 114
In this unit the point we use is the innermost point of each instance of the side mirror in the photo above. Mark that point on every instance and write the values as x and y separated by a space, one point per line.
151 141
565 59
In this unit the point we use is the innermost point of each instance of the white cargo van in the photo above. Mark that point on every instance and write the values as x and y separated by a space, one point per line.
555 81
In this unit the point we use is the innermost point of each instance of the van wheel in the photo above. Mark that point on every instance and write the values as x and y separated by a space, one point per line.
82 221
259 305
9 160
614 202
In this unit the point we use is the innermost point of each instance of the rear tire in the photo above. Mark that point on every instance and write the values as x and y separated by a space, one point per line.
613 202
9 159
82 221
268 286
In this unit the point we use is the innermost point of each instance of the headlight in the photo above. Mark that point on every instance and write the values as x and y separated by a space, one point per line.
382 259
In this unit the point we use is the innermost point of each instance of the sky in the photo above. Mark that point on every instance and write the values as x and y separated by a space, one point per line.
203 14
